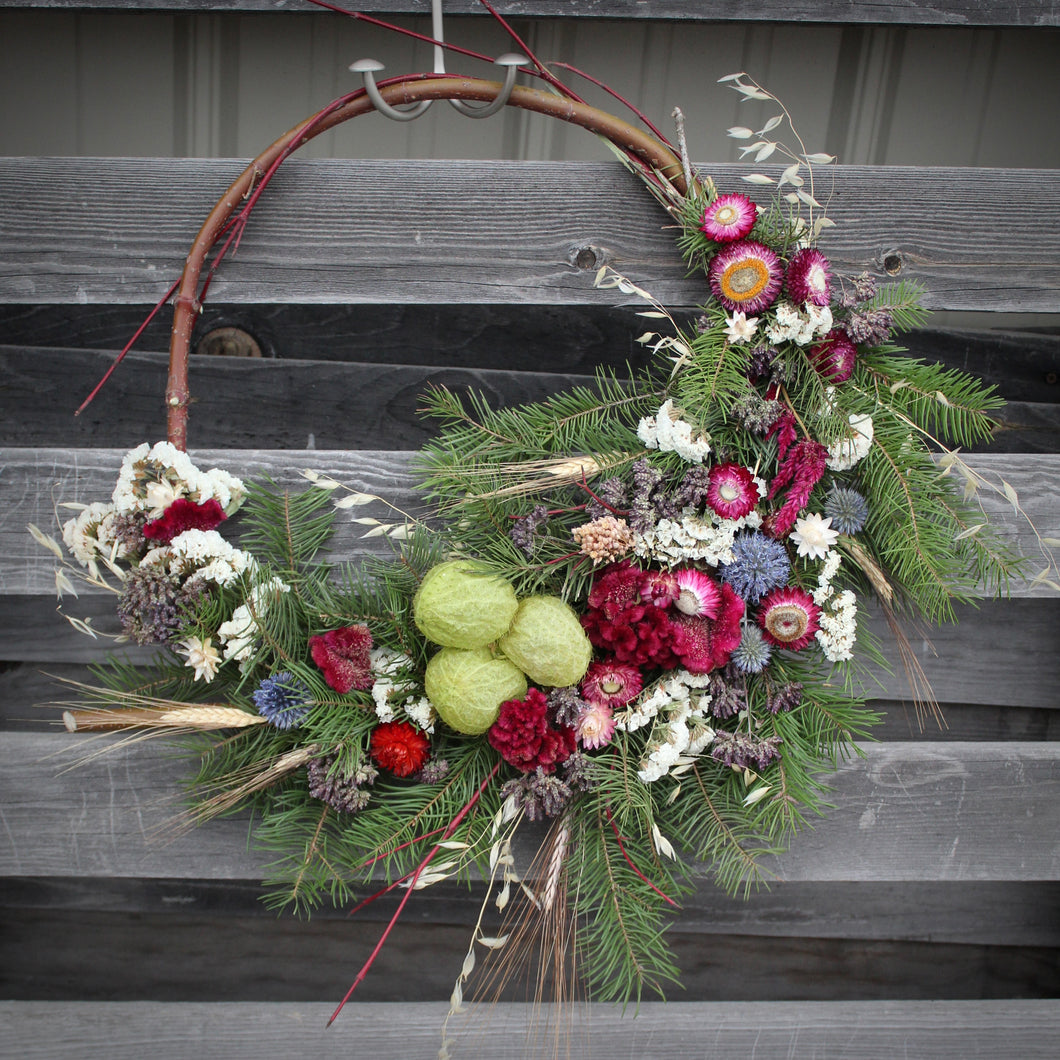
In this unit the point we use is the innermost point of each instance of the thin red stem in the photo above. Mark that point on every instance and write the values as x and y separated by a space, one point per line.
629 861
128 346
448 831
615 95
585 486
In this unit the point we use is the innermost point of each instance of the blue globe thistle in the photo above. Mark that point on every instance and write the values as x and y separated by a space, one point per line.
848 510
753 653
760 564
283 700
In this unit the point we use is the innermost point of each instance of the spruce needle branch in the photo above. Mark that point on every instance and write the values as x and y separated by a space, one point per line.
630 863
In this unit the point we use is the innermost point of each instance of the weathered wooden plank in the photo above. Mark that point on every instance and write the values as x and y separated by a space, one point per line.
909 811
942 12
1008 913
867 1030
1024 365
248 403
91 231
104 957
245 403
33 480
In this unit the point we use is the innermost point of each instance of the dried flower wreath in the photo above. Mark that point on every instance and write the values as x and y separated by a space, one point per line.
638 617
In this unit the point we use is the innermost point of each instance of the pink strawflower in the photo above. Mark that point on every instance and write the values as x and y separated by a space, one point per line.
808 278
595 726
728 218
183 515
731 491
788 618
834 356
660 587
699 595
703 644
343 656
611 684
745 275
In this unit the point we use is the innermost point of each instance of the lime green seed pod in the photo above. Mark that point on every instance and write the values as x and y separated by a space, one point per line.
461 605
467 688
547 642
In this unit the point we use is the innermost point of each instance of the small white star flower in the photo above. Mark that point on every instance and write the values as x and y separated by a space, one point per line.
739 328
814 536
202 657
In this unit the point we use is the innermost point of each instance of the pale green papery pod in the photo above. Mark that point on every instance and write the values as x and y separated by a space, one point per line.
467 688
460 605
547 642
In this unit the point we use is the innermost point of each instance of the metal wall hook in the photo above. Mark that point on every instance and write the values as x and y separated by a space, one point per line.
368 68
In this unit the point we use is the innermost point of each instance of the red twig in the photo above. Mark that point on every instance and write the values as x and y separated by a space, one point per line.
585 486
629 861
128 346
415 875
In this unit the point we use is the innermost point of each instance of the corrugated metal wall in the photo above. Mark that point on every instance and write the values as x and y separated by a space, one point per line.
225 85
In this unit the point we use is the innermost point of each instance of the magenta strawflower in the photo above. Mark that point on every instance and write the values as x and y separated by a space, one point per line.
728 218
808 278
731 491
703 644
698 595
611 684
746 275
834 356
788 618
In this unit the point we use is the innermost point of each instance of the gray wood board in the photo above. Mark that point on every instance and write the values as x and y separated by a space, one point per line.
117 230
1023 364
33 481
941 12
104 806
869 1030
180 957
1007 913
245 403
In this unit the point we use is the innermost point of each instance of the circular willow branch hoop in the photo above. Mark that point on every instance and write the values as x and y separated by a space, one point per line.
652 154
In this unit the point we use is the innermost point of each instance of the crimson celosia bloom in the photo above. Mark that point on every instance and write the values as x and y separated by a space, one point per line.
611 684
834 356
788 618
703 644
745 276
807 278
626 617
399 747
731 491
524 738
183 515
728 218
343 655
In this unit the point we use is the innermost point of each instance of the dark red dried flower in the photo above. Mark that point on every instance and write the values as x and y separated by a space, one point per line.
834 356
523 737
400 748
343 655
183 515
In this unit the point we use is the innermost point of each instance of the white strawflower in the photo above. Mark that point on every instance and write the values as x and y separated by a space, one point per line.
814 536
202 657
739 328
